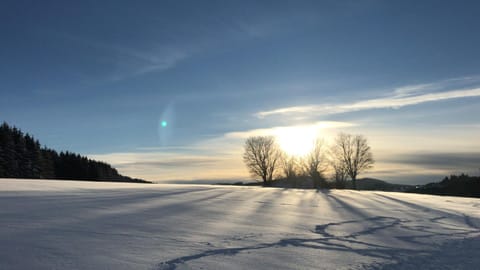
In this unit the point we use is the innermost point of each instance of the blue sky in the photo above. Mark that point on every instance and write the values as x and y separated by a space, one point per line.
98 77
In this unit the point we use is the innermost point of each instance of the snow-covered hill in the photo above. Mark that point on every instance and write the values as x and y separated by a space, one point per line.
87 225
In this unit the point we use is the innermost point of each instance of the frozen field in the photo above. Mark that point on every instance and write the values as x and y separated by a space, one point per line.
88 225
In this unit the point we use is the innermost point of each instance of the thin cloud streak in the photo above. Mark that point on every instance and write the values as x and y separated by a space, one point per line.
275 131
132 62
445 85
166 166
395 102
439 160
424 167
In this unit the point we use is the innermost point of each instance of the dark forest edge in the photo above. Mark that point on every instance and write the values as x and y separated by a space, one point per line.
455 185
22 156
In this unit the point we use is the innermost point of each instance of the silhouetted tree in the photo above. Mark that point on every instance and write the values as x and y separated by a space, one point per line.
261 157
354 153
339 174
290 166
314 164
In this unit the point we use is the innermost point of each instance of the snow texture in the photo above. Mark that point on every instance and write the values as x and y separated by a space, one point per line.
88 225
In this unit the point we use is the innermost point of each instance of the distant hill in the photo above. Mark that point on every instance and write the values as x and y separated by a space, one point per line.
376 184
362 184
21 156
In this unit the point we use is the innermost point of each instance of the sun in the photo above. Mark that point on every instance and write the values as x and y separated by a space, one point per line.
296 141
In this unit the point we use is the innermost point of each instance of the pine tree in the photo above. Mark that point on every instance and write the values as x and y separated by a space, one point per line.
21 156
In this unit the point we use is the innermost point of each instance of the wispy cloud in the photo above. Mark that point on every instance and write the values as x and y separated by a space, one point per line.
400 97
131 62
412 89
444 85
421 167
449 161
177 162
315 128
165 166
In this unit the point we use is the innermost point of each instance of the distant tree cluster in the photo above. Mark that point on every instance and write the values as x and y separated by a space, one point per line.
455 185
349 156
21 156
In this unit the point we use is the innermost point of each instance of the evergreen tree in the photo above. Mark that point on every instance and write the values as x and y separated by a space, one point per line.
21 156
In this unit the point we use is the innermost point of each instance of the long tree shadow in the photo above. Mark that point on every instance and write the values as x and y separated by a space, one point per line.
468 220
126 208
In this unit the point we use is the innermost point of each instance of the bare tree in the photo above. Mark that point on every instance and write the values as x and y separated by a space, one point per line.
354 153
339 173
261 157
289 164
290 168
314 164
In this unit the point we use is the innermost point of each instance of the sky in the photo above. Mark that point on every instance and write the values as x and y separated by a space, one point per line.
99 77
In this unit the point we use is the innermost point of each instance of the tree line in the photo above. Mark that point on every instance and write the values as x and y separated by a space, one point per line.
455 185
345 159
22 156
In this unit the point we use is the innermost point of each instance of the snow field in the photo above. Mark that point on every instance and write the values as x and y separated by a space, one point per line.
91 225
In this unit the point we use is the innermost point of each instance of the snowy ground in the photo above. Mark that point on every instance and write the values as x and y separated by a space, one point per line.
87 225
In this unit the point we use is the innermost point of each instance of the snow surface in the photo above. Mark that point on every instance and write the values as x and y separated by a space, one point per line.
91 225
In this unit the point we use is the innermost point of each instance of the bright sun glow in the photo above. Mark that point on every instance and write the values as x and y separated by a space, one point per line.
297 141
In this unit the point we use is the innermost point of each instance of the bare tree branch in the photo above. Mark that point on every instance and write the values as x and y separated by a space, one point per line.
314 164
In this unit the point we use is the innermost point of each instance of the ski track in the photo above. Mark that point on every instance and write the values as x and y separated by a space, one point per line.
90 225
